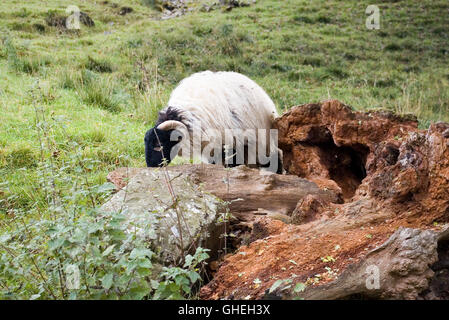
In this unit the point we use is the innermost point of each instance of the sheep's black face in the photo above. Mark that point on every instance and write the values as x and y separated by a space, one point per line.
156 152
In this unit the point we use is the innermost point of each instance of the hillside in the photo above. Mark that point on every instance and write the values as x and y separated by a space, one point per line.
75 104
93 81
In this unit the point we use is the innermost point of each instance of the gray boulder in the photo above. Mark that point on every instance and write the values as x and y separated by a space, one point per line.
180 214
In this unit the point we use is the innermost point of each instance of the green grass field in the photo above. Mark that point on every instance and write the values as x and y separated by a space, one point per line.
74 105
101 87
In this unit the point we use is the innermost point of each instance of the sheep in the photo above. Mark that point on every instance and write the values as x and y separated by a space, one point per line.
214 105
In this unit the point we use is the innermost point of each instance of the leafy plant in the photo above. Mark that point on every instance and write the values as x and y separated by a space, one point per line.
328 259
286 284
30 65
65 247
177 282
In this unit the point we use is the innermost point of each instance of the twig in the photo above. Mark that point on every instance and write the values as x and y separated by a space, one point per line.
43 278
35 264
61 279
126 190
173 195
4 285
85 273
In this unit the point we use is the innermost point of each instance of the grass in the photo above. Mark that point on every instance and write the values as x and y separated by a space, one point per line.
101 87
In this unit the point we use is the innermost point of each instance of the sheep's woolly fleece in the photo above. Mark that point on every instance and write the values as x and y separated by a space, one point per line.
215 101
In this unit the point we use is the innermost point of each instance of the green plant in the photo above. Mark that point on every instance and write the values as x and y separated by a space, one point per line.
177 282
283 46
101 93
95 252
22 64
328 259
65 247
287 285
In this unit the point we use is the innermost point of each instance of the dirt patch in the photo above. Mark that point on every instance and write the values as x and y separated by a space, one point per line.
59 21
55 20
125 10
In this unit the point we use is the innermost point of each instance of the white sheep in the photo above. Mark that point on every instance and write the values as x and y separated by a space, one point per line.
210 106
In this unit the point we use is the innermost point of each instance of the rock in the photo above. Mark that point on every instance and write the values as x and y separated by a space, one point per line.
330 141
172 5
120 177
264 227
363 213
398 269
55 20
250 193
231 4
439 284
307 209
183 218
86 20
172 8
394 179
227 5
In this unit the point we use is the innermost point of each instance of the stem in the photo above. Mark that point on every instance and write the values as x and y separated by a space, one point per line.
43 279
173 195
61 278
85 274
4 285
13 256
47 286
